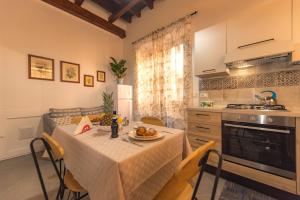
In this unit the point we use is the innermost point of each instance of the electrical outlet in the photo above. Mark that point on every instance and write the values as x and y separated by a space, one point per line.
26 133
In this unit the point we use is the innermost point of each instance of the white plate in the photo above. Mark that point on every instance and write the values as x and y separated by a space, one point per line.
104 128
132 135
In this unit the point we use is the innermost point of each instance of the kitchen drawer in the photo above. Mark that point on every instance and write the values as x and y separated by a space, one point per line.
205 130
197 141
205 117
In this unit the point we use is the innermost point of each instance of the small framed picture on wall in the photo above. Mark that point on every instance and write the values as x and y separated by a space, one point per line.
40 68
100 76
88 81
69 72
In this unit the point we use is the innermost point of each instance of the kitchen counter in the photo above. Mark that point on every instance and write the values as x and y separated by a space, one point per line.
248 111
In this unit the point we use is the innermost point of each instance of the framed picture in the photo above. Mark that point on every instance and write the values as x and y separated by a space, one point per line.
69 72
88 81
100 76
40 68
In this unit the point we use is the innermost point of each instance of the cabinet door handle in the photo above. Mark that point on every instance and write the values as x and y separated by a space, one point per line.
255 43
209 70
202 127
199 114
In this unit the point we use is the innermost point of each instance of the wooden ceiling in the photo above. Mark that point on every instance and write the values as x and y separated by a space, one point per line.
123 9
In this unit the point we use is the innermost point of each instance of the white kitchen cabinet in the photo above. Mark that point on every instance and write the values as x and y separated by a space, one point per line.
210 50
296 21
267 20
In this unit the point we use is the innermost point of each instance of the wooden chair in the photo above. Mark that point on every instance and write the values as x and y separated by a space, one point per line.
66 179
152 120
179 186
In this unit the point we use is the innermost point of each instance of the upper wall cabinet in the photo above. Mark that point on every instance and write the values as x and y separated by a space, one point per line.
266 21
210 50
296 21
296 31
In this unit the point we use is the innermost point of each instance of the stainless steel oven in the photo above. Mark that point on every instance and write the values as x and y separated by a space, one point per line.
266 143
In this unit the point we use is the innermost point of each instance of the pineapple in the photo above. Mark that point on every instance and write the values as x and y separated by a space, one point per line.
108 102
106 119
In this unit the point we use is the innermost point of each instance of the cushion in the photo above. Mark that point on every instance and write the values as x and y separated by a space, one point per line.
54 112
96 118
93 118
92 111
62 121
76 119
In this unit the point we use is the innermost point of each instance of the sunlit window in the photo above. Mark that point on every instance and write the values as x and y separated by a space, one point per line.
163 73
175 72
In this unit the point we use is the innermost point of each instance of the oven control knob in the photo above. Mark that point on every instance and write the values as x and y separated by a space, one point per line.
269 119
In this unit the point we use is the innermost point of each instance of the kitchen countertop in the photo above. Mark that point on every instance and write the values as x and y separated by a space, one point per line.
248 111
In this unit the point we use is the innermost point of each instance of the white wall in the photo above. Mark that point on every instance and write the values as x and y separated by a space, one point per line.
37 28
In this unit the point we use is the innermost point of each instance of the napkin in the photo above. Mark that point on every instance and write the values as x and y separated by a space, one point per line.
84 125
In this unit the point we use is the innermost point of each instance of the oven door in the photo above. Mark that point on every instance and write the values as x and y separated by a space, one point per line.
265 147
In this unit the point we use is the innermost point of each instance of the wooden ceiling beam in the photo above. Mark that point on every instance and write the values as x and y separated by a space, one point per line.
149 3
123 10
138 13
79 2
131 11
107 5
86 15
138 9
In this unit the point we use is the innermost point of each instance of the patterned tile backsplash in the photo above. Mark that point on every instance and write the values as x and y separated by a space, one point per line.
262 80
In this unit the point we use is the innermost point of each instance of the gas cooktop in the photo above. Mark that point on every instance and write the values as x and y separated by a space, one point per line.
256 107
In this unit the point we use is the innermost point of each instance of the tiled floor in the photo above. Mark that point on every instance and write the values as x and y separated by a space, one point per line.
19 181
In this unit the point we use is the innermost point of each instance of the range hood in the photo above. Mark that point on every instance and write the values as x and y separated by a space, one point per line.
258 53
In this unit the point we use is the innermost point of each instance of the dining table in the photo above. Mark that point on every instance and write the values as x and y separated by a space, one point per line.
121 168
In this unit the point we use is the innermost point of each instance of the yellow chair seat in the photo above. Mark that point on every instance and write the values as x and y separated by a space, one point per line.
186 193
71 183
174 190
152 120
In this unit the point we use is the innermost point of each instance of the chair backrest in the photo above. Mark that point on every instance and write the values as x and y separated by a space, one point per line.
56 148
184 174
152 120
50 152
189 167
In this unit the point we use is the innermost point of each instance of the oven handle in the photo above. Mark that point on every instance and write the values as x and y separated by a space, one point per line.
258 128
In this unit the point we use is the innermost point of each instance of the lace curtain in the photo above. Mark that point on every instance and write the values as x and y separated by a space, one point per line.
163 73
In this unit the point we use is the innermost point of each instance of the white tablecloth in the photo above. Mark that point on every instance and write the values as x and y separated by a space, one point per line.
112 169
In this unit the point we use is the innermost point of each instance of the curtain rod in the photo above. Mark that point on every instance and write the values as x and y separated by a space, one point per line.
164 27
